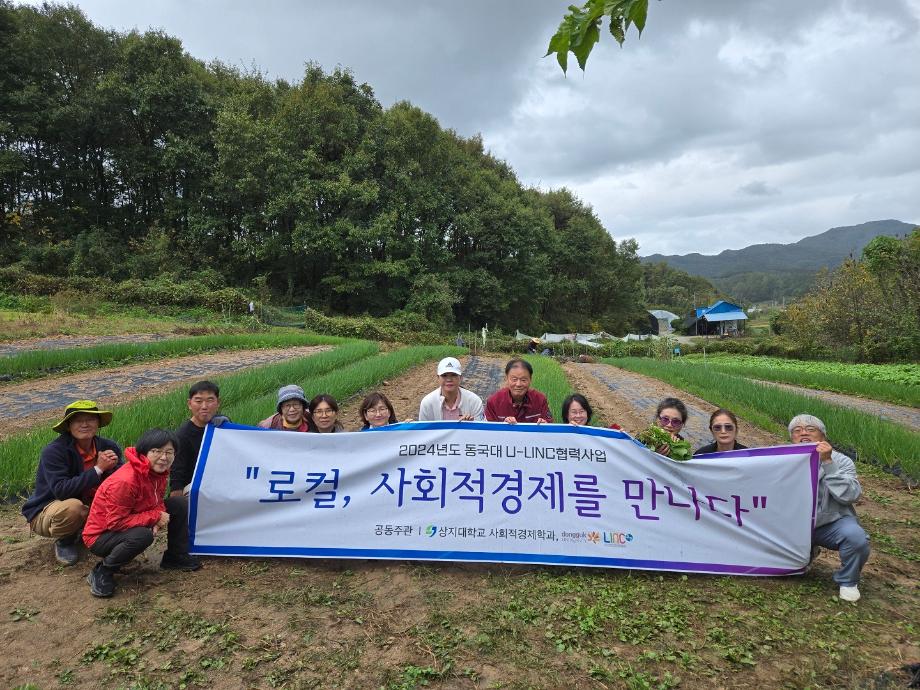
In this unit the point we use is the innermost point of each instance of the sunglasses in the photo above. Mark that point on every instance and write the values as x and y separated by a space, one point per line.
670 421
723 427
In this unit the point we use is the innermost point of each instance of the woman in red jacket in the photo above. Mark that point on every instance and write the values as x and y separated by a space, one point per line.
129 510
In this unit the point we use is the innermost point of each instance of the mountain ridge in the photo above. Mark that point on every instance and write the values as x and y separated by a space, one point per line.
773 270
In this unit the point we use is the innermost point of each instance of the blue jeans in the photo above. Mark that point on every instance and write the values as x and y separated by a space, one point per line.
848 537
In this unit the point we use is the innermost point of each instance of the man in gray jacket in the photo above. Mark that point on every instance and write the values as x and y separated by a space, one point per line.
450 401
836 526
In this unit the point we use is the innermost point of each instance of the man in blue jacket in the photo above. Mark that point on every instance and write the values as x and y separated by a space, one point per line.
70 469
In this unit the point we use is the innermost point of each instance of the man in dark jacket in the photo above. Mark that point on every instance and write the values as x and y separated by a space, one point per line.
70 469
203 403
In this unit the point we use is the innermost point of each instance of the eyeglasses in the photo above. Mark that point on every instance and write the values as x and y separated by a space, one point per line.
723 427
324 413
670 421
157 453
378 411
291 403
805 429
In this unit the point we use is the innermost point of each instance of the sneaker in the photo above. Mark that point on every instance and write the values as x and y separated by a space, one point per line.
849 593
101 581
66 551
185 562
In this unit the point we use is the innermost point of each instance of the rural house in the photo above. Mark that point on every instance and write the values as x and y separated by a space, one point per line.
722 318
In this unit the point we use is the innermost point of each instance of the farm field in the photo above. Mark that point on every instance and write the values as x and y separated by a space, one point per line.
28 404
865 436
42 362
897 383
241 623
17 325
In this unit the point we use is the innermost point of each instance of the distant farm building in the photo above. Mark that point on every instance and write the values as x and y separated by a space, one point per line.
661 321
722 318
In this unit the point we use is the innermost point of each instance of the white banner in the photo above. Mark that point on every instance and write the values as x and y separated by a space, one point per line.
475 491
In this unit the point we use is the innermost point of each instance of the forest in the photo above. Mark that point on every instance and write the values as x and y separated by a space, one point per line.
123 157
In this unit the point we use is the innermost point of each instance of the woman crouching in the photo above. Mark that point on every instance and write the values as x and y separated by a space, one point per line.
129 510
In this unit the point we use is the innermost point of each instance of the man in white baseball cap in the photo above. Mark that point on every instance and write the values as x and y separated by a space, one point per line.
450 402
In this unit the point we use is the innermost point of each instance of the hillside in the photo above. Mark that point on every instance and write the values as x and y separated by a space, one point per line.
772 271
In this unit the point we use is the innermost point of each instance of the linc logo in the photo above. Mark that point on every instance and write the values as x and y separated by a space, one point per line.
617 538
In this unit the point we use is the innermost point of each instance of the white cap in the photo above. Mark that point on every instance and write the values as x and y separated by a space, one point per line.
449 365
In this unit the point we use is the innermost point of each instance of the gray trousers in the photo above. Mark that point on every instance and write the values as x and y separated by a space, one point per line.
848 537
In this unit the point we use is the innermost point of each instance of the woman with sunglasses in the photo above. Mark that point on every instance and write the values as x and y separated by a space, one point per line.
724 427
671 415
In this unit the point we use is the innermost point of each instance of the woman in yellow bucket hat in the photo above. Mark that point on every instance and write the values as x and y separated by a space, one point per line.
70 469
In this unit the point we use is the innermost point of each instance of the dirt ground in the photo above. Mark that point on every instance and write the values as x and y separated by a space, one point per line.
634 408
298 623
32 403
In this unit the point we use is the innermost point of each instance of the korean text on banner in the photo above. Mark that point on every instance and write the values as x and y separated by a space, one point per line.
467 491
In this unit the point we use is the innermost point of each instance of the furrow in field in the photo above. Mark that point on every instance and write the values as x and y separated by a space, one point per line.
67 342
908 416
26 405
642 394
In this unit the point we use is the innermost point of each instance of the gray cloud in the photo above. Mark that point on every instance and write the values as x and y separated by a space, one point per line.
757 188
680 139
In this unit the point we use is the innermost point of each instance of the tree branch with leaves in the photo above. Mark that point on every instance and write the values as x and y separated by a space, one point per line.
580 29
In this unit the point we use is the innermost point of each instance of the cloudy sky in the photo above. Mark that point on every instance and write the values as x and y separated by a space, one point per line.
731 122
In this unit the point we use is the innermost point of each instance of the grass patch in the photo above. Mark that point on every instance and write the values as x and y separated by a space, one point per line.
19 453
896 383
37 363
869 438
46 320
550 379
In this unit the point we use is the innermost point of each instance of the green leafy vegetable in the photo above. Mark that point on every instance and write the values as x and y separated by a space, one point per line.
654 437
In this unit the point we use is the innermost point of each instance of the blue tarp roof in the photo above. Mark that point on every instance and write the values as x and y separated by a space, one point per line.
726 316
721 311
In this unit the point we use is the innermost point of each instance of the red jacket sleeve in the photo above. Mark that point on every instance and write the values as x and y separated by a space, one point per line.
120 501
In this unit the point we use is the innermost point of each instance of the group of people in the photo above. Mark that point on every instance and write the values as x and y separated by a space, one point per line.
85 490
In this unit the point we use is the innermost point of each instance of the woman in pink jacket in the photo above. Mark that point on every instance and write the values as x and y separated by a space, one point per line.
129 509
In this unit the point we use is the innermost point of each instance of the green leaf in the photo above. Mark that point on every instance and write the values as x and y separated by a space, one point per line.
638 13
617 30
562 57
586 44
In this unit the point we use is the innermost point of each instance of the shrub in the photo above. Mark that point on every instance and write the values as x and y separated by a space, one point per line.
158 292
17 280
403 327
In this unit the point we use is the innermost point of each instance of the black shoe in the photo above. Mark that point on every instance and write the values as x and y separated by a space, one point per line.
101 581
66 551
185 562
